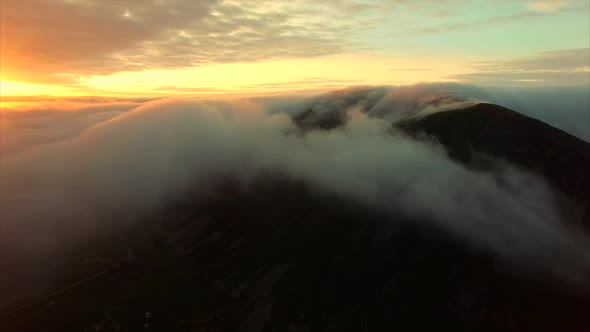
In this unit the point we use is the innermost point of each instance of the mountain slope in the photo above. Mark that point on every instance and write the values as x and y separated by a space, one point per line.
498 132
279 255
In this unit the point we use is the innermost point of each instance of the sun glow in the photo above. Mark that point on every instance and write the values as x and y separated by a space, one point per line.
8 88
277 75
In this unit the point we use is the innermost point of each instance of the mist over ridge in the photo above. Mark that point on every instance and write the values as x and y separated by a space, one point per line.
104 164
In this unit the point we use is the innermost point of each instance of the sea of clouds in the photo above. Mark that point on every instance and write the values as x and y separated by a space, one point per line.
98 164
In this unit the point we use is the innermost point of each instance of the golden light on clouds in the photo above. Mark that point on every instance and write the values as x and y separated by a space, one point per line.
283 75
547 5
208 47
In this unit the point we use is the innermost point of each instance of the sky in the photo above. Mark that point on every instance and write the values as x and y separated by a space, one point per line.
101 111
211 47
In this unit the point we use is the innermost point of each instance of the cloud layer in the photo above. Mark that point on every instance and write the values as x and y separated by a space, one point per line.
91 37
109 164
102 37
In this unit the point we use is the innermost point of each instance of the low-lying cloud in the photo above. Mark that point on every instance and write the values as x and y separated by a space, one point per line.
108 164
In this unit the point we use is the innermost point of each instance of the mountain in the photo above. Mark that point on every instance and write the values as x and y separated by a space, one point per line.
279 255
498 132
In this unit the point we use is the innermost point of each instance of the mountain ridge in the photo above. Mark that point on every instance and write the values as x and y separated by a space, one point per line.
279 255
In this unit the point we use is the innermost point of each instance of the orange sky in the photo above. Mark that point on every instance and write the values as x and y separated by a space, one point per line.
319 73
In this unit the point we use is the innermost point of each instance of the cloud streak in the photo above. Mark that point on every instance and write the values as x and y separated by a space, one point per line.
563 67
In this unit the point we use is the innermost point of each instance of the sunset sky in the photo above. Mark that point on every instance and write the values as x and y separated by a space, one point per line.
204 47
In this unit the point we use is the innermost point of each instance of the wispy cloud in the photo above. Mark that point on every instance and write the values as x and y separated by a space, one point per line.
561 67
107 36
547 6
100 37
476 24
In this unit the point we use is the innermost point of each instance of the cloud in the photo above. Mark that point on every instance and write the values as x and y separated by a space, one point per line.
103 37
185 90
86 36
23 128
309 84
459 17
560 67
547 6
129 162
474 24
66 101
95 37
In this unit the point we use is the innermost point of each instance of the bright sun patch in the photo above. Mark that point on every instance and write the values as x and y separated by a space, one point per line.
8 88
